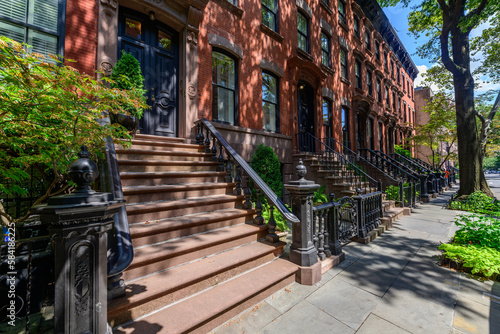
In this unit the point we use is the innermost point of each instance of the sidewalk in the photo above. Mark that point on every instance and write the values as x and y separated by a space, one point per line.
392 285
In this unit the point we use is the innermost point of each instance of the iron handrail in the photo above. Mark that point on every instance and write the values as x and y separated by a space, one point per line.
343 159
402 166
391 167
360 157
428 165
404 160
271 196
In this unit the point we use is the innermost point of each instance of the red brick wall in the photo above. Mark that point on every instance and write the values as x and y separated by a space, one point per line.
81 34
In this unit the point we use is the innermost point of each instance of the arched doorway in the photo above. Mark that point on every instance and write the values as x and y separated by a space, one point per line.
156 47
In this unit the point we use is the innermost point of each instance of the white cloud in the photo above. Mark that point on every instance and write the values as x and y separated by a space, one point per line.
419 79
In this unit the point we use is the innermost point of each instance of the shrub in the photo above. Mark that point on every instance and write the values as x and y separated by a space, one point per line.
476 202
478 230
266 163
392 193
482 260
400 150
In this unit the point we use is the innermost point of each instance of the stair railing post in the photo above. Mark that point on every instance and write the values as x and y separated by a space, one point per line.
258 219
247 204
79 223
271 236
361 207
302 250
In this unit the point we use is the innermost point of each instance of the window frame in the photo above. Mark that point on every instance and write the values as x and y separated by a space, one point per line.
355 25
344 124
276 104
377 50
387 98
300 33
379 90
369 82
61 25
275 14
328 123
326 54
381 136
368 39
357 73
344 69
235 90
342 14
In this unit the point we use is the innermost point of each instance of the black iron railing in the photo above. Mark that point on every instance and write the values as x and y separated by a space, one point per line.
231 162
411 164
335 162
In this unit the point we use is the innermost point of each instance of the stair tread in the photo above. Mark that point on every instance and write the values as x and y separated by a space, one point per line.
156 152
207 305
178 277
176 187
141 229
173 247
140 136
167 162
154 142
178 203
169 174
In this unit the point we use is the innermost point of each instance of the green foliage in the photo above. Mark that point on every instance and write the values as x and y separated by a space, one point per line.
281 223
392 193
482 260
319 196
266 163
127 75
400 150
47 111
476 202
477 230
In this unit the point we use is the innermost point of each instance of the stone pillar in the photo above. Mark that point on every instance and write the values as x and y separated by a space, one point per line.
79 223
302 250
424 196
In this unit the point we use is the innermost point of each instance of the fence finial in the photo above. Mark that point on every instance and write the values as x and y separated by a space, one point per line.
301 170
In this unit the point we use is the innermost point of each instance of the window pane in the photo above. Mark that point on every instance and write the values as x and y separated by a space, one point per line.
269 116
13 31
224 73
224 100
301 23
42 43
269 88
271 4
164 40
302 42
14 9
326 112
133 28
268 18
44 13
324 42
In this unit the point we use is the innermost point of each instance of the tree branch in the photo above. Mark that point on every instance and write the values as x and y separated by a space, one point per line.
477 11
486 125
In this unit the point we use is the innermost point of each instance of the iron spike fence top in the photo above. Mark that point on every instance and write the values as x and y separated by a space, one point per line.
270 195
84 202
346 161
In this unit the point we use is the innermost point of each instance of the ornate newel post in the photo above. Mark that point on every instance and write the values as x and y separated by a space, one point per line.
79 223
302 250
424 196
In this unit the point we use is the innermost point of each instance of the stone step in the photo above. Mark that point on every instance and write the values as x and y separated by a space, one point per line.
137 194
152 258
166 166
390 216
161 178
205 311
152 211
165 229
138 154
174 284
159 138
166 146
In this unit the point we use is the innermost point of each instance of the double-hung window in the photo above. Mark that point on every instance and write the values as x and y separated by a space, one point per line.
325 50
380 137
38 23
387 104
342 17
270 102
327 111
356 27
369 85
345 127
343 63
224 88
270 14
367 38
303 31
379 90
377 50
357 73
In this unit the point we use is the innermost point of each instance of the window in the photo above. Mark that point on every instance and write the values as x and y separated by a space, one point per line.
371 139
270 14
345 127
377 50
327 111
357 73
380 136
394 100
385 61
35 22
325 50
342 12
356 27
270 105
343 63
303 31
392 69
387 104
399 105
224 88
404 112
398 76
233 2
379 91
369 86
367 38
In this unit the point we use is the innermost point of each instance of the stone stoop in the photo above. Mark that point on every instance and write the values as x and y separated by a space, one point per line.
198 258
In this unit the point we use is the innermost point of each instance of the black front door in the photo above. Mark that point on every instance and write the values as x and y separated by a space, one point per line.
156 46
305 109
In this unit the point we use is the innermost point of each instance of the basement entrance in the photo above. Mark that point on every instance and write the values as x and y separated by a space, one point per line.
156 47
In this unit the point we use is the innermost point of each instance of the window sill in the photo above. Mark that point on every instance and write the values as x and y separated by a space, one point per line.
368 51
230 7
359 91
328 69
270 32
344 80
357 39
304 54
371 98
380 104
326 7
343 25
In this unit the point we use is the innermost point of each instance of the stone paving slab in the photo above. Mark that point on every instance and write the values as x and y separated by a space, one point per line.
373 281
374 324
472 317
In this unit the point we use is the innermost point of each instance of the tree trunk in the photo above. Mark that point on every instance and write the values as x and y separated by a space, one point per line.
469 150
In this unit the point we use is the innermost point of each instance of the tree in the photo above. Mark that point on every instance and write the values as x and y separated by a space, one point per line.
47 111
447 24
440 128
